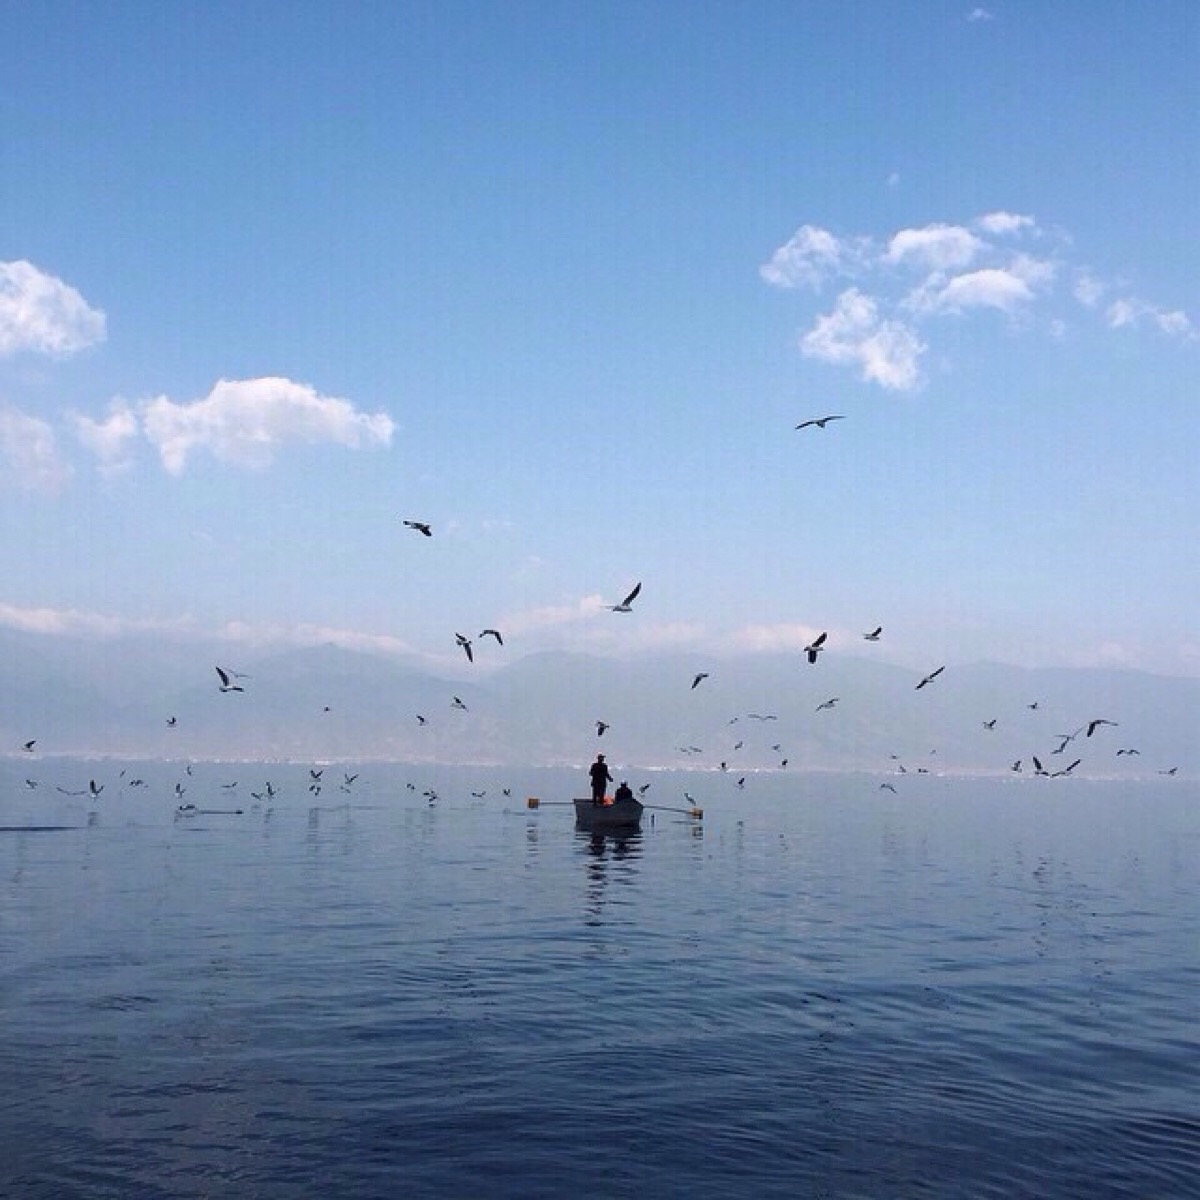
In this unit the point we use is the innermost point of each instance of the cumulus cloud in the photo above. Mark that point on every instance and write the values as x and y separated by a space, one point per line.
110 439
245 421
886 352
1129 313
1004 222
41 314
937 247
809 257
903 284
29 456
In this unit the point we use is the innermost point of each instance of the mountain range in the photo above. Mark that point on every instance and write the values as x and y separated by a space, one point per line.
141 699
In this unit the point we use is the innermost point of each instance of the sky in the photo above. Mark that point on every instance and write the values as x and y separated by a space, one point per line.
561 280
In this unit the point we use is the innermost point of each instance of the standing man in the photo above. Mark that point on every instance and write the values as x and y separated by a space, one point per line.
600 778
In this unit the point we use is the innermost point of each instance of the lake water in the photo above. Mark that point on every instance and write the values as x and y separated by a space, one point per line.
966 988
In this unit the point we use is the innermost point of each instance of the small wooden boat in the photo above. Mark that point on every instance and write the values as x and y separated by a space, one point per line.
612 814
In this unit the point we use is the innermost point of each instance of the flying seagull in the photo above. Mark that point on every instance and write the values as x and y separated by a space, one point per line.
828 703
626 605
815 647
29 745
420 527
601 726
873 636
929 678
457 703
227 684
700 676
493 633
819 422
1092 725
465 643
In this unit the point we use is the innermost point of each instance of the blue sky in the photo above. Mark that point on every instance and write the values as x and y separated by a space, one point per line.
560 279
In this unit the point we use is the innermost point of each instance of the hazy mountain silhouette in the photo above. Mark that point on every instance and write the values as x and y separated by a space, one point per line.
92 697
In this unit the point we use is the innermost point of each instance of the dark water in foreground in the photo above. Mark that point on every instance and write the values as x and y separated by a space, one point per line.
965 989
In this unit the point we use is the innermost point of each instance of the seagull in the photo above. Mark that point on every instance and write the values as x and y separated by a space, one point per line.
95 788
626 605
828 703
761 717
421 720
227 684
1016 766
929 678
645 787
493 633
457 703
1129 751
172 722
1169 771
1067 738
815 646
873 636
890 787
702 675
990 724
1092 725
1067 770
601 726
420 527
465 643
819 422
316 775
1038 769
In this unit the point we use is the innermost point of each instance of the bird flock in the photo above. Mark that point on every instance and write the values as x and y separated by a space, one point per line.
232 682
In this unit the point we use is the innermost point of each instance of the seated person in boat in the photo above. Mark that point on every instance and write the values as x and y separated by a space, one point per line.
623 793
600 778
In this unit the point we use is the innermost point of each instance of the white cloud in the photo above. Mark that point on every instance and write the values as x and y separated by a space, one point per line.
74 623
1129 313
988 288
244 421
1088 290
29 457
886 352
980 14
877 327
937 247
109 440
1004 222
809 257
40 313
759 639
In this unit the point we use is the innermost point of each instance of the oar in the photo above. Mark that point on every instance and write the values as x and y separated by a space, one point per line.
698 813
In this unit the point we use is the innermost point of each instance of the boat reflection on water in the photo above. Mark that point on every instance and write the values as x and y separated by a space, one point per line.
611 859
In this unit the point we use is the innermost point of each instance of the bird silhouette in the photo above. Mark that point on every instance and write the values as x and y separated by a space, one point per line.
420 527
227 684
815 647
819 422
493 633
457 703
873 636
601 726
1094 725
465 643
828 703
699 678
29 745
929 678
626 604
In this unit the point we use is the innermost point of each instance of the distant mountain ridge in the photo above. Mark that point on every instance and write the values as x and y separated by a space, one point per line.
116 698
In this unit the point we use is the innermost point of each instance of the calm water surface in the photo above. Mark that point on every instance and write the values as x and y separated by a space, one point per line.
967 988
